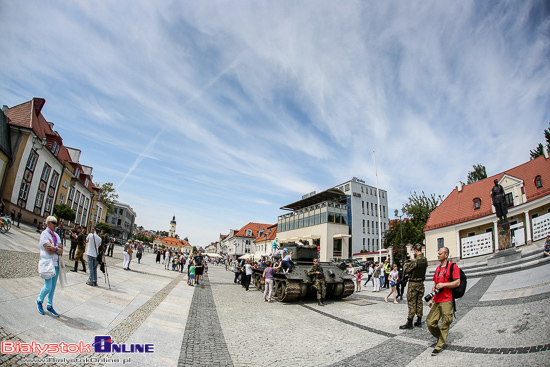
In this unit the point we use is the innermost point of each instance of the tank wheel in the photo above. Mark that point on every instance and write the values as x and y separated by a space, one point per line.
257 282
286 290
349 288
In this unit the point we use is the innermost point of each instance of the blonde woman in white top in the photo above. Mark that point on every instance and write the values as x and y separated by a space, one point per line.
50 248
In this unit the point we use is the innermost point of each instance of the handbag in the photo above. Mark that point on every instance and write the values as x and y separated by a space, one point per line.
46 268
262 281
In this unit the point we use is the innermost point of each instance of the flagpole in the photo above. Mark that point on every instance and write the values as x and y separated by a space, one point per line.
379 219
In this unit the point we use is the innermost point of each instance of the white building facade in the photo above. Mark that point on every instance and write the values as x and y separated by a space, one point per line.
363 210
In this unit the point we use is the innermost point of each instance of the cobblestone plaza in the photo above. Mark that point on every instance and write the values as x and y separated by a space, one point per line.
502 320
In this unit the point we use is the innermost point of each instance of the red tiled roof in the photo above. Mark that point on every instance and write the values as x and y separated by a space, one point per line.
255 227
272 233
29 115
174 242
458 207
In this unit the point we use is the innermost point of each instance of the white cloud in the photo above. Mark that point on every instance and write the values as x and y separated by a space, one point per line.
260 102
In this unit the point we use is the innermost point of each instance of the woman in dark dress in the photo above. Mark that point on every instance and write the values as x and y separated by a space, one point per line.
158 256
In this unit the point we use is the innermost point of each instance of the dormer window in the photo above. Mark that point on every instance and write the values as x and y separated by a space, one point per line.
248 232
54 147
477 203
77 173
538 182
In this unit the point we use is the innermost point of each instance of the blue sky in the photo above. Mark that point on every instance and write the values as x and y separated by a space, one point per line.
221 112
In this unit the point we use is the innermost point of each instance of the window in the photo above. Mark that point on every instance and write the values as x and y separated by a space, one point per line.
477 203
54 146
56 151
440 243
368 225
81 200
509 199
46 172
363 243
113 220
77 173
31 163
24 191
76 198
61 197
71 193
376 208
337 252
48 206
384 210
362 189
55 177
372 208
64 184
39 199
363 206
120 212
382 194
471 234
87 203
384 226
119 222
86 182
538 182
363 226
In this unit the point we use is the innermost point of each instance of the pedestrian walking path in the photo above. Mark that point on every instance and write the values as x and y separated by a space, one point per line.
146 305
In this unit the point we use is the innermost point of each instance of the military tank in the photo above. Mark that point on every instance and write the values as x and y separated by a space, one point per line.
297 284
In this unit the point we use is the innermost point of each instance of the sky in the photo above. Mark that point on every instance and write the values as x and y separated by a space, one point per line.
221 112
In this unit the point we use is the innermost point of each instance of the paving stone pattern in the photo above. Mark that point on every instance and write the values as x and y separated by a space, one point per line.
203 341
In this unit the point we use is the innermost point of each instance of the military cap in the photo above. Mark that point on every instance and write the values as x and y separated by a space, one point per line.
418 247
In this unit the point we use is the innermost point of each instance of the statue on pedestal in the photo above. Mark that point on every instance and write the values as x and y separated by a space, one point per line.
499 201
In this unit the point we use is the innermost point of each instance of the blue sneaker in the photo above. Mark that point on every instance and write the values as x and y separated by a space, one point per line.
52 311
40 308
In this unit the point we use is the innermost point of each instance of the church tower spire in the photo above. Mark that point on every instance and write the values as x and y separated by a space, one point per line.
172 232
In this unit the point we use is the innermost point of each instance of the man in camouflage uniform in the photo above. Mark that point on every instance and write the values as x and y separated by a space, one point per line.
80 248
316 273
416 270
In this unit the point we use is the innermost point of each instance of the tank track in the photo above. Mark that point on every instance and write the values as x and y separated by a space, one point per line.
286 290
349 288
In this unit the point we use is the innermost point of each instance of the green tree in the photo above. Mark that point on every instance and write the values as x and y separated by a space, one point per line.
105 228
195 250
108 194
64 212
478 173
417 210
538 151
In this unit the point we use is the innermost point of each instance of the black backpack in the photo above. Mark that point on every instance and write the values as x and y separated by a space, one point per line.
459 291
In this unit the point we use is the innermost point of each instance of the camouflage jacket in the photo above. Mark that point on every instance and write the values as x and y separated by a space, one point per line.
312 272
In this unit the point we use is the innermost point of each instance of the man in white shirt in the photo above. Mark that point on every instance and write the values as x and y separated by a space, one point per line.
93 242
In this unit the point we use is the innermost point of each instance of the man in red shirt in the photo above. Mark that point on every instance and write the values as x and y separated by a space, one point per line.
441 305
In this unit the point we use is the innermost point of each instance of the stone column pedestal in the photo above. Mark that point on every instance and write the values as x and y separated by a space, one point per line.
504 237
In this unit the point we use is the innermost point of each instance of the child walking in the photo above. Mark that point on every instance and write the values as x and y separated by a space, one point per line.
191 279
358 280
394 277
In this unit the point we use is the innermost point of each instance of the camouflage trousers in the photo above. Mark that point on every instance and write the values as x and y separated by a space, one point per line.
321 287
414 299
